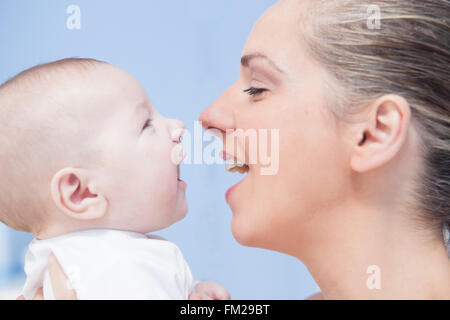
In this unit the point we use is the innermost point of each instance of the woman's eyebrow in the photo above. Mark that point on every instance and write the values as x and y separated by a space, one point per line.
245 60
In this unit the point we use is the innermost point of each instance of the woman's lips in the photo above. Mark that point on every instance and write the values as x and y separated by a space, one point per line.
226 156
227 194
233 167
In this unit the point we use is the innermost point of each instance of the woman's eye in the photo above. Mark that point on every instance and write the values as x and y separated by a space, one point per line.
254 91
147 124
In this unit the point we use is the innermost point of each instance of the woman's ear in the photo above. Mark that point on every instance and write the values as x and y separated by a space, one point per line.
75 196
382 134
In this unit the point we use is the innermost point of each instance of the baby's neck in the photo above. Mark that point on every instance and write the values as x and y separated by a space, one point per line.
58 228
54 231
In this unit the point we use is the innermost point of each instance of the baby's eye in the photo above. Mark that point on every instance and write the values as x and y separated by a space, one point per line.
147 124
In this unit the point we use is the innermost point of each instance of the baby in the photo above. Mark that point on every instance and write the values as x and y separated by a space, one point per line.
89 167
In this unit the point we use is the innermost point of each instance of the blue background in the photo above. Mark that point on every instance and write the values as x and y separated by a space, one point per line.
185 53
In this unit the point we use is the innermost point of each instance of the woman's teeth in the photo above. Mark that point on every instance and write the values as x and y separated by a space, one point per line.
241 169
234 165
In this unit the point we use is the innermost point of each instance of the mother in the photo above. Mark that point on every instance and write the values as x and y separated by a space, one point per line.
362 194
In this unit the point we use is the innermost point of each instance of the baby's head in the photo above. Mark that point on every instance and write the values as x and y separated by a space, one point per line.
82 147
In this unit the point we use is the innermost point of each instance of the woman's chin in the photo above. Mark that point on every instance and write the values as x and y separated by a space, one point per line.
243 231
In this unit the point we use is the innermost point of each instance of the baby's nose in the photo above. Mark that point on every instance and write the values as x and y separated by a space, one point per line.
177 130
178 151
178 154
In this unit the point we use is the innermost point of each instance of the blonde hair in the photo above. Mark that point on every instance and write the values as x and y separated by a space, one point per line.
33 145
409 55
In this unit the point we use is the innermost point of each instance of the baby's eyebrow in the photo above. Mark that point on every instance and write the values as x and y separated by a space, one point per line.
140 107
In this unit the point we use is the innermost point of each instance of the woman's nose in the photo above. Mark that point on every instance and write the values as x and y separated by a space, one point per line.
219 115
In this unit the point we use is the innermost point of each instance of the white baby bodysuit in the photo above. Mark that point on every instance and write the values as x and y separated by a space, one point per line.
110 264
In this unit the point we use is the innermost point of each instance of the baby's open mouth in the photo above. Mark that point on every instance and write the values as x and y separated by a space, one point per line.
178 173
180 183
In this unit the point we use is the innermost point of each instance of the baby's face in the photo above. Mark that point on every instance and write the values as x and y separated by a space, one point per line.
140 152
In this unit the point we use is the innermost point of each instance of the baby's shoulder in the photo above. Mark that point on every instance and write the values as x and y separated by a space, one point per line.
155 237
118 246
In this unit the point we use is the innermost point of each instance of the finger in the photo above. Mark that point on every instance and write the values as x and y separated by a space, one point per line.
21 297
195 296
60 284
222 294
39 294
218 292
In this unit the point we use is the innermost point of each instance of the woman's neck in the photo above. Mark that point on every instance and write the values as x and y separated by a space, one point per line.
378 255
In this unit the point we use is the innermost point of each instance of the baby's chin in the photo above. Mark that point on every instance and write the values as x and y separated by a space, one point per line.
173 216
181 211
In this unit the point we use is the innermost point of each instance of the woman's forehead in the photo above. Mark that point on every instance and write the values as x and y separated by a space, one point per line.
277 35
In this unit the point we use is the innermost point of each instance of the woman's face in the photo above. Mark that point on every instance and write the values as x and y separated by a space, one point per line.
279 210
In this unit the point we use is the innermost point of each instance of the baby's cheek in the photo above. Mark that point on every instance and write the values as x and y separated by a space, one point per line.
166 185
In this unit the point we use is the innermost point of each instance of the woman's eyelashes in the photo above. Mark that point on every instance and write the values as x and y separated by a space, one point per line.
253 92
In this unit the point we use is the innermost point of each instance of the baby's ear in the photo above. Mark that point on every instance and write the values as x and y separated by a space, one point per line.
73 194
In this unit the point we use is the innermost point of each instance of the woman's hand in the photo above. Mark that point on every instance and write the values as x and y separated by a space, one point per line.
208 290
61 290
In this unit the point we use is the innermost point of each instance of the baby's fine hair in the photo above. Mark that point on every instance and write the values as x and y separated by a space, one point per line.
33 143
